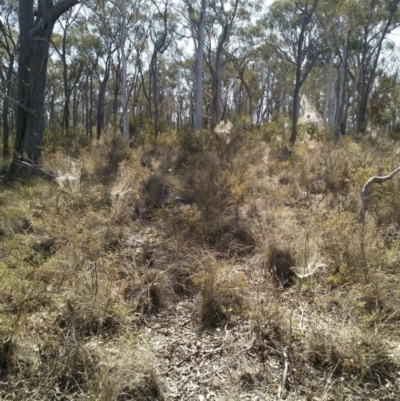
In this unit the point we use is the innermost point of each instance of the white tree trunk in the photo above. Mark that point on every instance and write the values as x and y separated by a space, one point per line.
330 110
353 103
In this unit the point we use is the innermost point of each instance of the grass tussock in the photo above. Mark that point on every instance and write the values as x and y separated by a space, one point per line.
222 294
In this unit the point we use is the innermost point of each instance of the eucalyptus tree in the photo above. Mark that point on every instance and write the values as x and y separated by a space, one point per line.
121 7
72 62
244 57
331 16
138 86
35 31
131 41
103 72
106 26
385 101
8 53
162 26
90 53
129 15
294 34
219 24
197 14
372 21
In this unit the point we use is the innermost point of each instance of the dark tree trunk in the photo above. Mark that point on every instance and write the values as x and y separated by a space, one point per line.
117 86
67 91
52 110
160 46
102 95
368 81
153 72
91 104
215 63
34 42
75 105
215 71
100 107
66 114
296 109
6 130
341 119
6 126
87 91
216 92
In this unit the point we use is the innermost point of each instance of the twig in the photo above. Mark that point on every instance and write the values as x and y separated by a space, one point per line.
247 348
285 373
186 358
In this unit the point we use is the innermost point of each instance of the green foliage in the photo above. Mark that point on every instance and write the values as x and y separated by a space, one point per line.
71 142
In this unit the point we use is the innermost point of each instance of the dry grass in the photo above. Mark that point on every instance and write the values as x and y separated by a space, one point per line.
222 295
83 268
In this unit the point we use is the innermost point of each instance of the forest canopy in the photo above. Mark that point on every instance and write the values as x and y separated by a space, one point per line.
81 68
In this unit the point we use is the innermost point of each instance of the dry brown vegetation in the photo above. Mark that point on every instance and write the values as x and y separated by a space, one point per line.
175 275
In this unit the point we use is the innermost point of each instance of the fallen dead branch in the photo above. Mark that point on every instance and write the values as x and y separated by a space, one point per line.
365 193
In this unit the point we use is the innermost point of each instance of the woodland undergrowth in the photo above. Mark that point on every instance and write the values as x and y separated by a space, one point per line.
123 234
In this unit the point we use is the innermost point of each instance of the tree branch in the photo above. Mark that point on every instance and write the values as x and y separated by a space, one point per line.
15 101
365 189
60 8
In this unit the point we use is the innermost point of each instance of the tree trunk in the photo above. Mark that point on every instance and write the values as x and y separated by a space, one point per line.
66 113
368 81
102 95
25 19
34 42
330 111
91 104
125 119
216 105
67 92
296 109
300 78
353 103
6 130
341 121
100 107
198 111
6 127
87 120
153 71
75 105
117 84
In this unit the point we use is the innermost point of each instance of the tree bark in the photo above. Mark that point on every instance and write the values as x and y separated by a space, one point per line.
214 58
125 119
198 108
34 43
160 46
331 104
367 81
341 120
216 104
6 127
300 78
101 98
153 78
